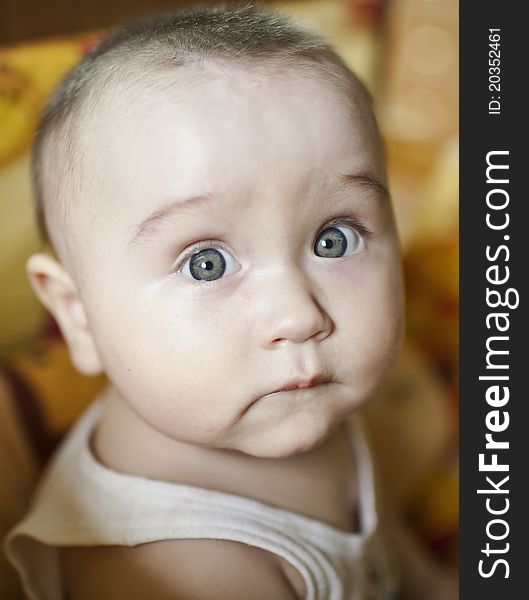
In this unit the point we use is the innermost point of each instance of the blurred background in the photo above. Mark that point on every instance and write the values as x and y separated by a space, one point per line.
406 51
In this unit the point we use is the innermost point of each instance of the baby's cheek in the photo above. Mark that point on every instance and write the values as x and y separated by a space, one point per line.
386 341
373 328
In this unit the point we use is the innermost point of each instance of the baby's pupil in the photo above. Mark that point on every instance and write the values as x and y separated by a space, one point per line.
207 265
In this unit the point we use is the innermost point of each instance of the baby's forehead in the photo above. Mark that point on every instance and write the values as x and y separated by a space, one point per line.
216 104
135 82
228 95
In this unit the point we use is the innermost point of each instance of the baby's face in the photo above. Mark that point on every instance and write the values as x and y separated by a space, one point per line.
241 245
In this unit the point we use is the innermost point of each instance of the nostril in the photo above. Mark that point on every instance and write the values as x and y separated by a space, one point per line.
326 330
299 337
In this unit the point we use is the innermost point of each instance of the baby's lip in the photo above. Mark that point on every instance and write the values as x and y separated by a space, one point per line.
301 383
294 384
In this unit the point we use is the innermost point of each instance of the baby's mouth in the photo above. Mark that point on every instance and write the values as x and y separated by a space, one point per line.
298 384
301 383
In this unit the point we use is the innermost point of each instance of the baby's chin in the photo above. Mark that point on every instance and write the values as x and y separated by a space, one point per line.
298 433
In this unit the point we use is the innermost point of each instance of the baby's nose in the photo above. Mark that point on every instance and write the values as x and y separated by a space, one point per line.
290 312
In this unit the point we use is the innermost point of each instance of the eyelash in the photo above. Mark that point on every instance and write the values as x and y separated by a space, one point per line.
195 249
362 229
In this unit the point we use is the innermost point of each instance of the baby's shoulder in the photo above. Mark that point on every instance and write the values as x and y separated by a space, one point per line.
169 569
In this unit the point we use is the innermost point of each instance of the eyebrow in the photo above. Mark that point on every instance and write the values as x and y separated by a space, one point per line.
165 213
364 181
367 181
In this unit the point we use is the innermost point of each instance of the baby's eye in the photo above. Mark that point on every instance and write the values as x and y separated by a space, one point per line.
338 241
209 264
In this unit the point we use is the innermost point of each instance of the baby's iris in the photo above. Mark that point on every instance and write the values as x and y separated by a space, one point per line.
207 265
335 242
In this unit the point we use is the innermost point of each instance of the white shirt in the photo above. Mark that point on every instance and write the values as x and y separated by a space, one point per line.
82 502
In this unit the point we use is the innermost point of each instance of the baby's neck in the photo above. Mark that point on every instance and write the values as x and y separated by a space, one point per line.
320 483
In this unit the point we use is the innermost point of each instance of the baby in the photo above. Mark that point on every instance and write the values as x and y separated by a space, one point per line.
213 184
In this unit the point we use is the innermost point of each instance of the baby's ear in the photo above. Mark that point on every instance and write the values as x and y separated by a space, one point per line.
57 291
